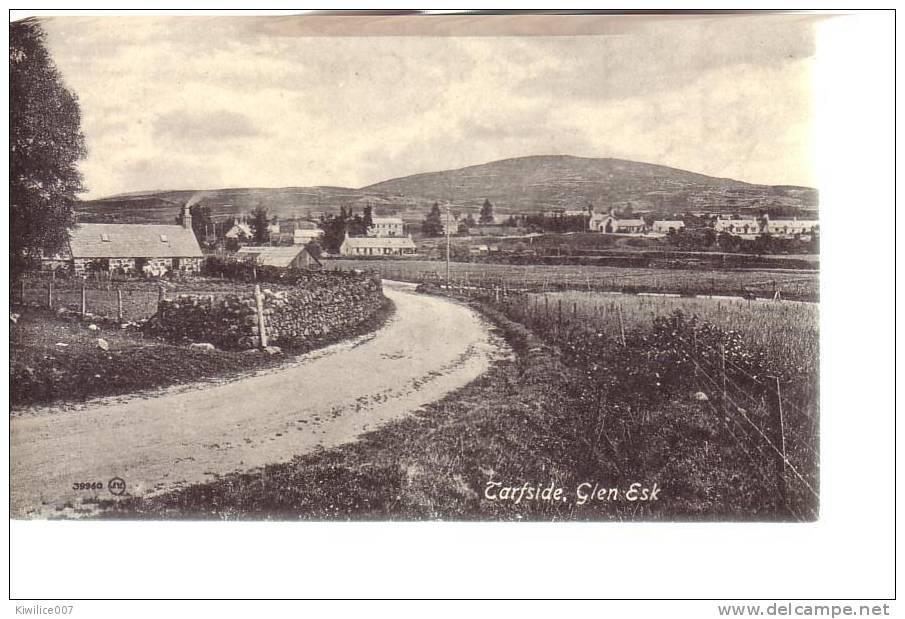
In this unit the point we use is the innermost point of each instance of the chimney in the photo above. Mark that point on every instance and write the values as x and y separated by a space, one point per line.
187 217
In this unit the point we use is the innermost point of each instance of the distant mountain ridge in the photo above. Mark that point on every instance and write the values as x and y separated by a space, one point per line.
518 185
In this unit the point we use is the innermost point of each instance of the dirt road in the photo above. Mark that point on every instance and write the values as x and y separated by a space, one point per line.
429 347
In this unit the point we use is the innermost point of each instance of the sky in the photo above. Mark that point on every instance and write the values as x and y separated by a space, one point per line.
211 102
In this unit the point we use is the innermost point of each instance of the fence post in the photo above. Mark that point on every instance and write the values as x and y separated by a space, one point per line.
84 300
621 324
782 438
50 294
160 297
119 303
22 291
259 304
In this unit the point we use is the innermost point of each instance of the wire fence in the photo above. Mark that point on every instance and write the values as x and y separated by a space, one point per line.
772 421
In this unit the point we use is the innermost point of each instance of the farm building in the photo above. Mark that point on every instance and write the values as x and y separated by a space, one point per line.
666 226
377 246
131 249
277 256
386 227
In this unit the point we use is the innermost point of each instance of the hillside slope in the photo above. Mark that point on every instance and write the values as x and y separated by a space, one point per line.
520 185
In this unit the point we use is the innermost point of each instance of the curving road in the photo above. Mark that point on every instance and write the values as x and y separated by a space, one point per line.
429 347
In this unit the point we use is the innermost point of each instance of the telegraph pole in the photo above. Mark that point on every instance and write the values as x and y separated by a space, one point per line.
447 247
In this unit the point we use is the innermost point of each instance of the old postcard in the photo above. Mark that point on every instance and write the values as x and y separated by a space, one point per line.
492 268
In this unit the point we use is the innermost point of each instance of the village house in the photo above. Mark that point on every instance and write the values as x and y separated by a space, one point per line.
764 225
609 224
286 257
667 226
240 231
377 246
386 227
738 226
131 249
303 236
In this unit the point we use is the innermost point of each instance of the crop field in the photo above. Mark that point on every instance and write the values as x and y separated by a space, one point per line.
786 331
543 278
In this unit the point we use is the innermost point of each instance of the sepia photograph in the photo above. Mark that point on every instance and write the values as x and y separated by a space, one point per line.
261 269
320 305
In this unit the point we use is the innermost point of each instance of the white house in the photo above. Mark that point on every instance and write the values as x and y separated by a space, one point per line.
608 224
377 246
305 236
386 227
738 226
239 231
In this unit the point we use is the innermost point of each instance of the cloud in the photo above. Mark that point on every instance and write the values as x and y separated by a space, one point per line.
215 101
195 126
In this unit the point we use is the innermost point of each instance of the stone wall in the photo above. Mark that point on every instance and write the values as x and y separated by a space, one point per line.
317 305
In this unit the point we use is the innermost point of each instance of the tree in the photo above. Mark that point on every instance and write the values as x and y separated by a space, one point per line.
367 218
45 144
486 216
433 224
260 225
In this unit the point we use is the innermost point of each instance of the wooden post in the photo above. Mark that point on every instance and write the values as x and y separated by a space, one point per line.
160 296
119 303
782 438
84 301
259 303
22 291
621 324
723 368
50 294
559 313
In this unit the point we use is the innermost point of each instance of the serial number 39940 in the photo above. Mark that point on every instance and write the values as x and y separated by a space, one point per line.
88 485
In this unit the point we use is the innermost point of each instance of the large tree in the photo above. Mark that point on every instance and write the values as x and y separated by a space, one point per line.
260 225
433 223
486 216
45 144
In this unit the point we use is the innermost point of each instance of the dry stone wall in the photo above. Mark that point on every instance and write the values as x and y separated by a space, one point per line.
316 305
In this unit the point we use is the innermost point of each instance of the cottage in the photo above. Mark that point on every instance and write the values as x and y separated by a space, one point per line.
131 249
377 246
608 224
792 227
386 227
668 226
738 226
284 257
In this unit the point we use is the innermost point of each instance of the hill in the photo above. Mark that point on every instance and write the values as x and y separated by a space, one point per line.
520 185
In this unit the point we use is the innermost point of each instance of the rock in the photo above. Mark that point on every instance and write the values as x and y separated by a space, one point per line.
93 327
203 346
700 396
14 318
273 350
250 351
62 344
103 344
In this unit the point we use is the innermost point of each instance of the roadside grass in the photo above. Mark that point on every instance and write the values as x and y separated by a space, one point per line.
544 417
55 359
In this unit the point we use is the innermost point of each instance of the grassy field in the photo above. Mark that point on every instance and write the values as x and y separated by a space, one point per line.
794 285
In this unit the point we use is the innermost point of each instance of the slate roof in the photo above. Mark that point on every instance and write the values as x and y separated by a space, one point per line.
276 256
133 241
380 241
